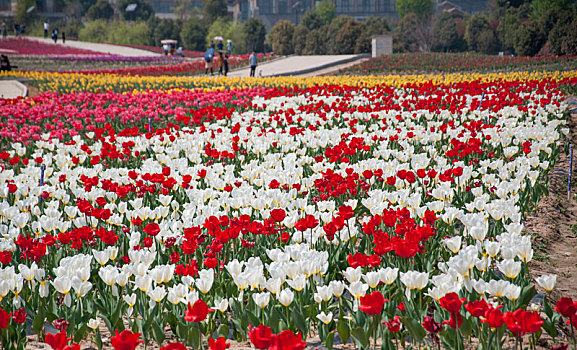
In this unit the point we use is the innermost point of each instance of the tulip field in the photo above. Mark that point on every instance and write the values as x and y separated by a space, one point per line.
380 212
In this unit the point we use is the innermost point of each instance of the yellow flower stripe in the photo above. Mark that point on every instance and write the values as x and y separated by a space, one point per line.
75 82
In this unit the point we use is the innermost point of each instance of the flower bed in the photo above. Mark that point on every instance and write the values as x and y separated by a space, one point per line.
158 49
371 212
457 62
23 46
78 63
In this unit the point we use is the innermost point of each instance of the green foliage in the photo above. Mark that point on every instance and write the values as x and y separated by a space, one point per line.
372 26
255 34
479 35
312 20
422 8
280 37
406 39
77 8
94 31
22 16
444 34
164 29
539 7
184 10
332 30
529 38
507 28
193 35
220 27
347 37
212 10
326 10
316 41
100 10
117 32
300 39
237 34
562 37
143 10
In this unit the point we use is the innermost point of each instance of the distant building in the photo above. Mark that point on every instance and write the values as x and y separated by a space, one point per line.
46 8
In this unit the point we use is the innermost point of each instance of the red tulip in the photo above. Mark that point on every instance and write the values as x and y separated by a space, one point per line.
566 307
219 344
477 308
126 340
261 336
4 318
520 322
278 215
430 325
451 302
493 318
372 304
197 312
393 325
57 341
287 340
173 346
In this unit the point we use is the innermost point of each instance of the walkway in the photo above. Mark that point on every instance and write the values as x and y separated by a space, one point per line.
105 48
298 65
12 89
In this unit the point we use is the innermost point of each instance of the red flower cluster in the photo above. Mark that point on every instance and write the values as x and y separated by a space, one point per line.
263 338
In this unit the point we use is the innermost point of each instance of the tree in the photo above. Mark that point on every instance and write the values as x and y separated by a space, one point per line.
300 39
332 45
444 34
529 38
237 34
372 26
316 42
347 36
165 29
185 9
507 28
142 11
326 11
255 34
76 8
422 8
100 10
411 35
280 37
212 10
539 7
193 35
23 17
220 27
312 20
479 35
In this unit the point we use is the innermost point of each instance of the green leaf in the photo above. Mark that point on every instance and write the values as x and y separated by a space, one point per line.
223 330
38 322
194 337
549 327
415 328
466 328
158 333
79 335
300 323
344 330
360 336
527 293
330 340
98 340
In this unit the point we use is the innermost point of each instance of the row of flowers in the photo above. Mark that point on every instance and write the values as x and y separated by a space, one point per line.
77 82
275 213
24 46
457 62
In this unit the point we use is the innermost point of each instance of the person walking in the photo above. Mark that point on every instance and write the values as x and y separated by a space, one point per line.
55 35
4 30
46 27
220 63
208 58
253 62
229 46
225 63
63 37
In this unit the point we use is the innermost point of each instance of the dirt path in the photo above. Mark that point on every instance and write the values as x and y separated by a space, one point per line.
554 224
